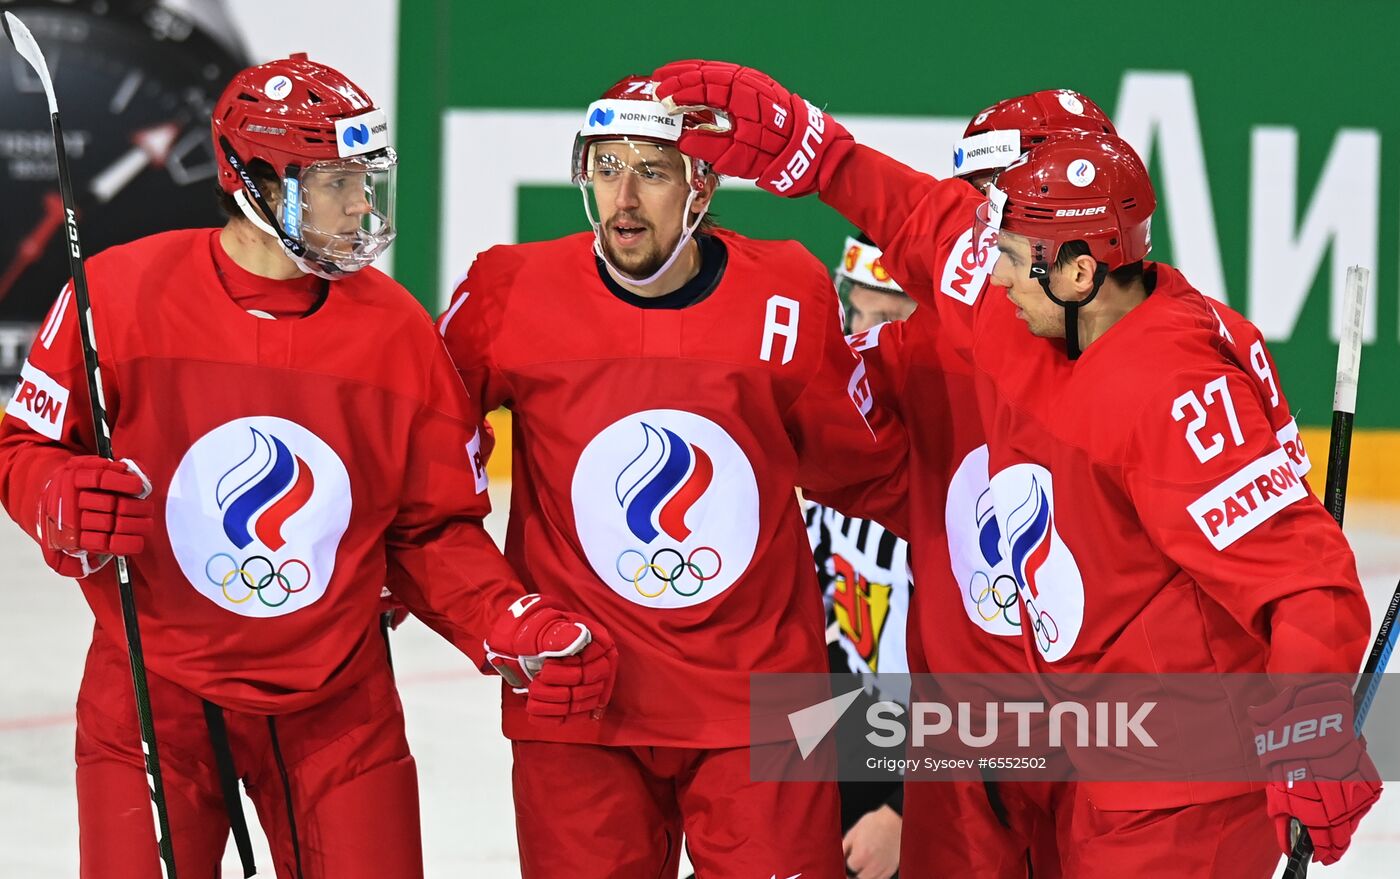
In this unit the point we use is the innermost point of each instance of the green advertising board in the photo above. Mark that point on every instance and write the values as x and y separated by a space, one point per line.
1263 124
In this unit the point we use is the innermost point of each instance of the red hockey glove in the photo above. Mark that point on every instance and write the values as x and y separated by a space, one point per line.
1319 769
92 509
774 136
565 662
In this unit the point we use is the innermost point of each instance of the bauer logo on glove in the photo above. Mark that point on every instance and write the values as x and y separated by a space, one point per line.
1319 772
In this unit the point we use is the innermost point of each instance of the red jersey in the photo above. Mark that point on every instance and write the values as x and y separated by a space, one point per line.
294 475
656 446
1149 500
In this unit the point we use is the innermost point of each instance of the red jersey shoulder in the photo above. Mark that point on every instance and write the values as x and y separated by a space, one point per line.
1246 342
156 250
371 287
498 271
1213 332
785 275
788 263
1134 386
1173 329
143 266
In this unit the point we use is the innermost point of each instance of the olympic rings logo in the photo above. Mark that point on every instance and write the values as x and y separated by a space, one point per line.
999 605
670 568
1047 632
991 603
256 574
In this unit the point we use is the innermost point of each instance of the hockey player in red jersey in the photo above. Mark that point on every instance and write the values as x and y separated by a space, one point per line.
295 437
1158 547
965 617
903 363
671 382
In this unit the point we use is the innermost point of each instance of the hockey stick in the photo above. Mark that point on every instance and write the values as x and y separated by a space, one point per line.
1339 458
24 43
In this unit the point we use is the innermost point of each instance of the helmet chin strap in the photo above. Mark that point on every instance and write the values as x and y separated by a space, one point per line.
306 264
686 234
1041 272
260 217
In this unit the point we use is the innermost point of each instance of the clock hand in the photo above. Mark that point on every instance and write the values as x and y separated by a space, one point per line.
150 146
32 247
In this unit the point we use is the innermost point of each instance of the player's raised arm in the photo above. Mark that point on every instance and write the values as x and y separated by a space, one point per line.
790 147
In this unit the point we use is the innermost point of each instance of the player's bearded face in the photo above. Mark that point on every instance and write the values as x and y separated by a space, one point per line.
640 191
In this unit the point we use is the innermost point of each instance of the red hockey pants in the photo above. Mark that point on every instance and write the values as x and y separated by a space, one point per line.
350 779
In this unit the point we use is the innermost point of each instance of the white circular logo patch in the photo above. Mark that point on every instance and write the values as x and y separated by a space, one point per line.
1003 543
255 513
278 87
979 557
1081 172
1070 101
982 117
666 506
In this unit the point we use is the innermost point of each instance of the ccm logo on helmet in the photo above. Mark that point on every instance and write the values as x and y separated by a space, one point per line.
1080 212
802 159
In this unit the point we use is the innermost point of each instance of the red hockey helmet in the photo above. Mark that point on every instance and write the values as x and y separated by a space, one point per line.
1086 187
315 128
1000 133
629 114
1075 187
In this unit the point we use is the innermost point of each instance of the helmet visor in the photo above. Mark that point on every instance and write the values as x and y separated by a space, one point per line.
605 162
343 209
608 169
